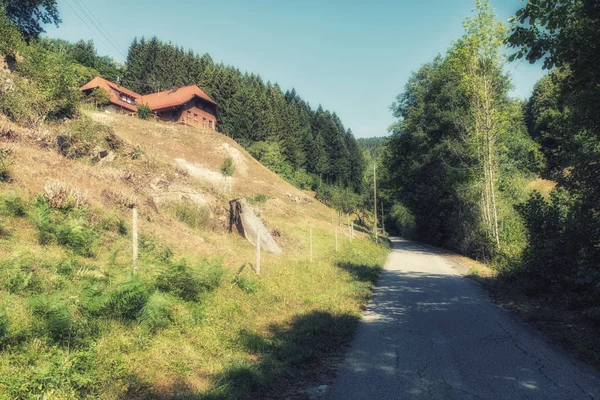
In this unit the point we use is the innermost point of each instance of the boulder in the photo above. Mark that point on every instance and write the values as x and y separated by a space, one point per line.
245 221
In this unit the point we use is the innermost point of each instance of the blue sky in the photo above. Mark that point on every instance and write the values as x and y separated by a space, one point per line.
353 57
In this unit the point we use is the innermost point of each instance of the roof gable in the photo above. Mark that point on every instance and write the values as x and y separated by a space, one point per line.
156 101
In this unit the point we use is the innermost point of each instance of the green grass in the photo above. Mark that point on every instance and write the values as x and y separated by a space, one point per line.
191 214
74 322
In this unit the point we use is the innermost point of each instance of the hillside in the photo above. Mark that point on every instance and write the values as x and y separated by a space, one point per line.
195 319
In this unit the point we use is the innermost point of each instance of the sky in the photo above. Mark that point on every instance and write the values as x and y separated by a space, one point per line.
352 57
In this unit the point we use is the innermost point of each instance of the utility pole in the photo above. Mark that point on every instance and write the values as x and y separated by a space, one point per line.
382 220
375 199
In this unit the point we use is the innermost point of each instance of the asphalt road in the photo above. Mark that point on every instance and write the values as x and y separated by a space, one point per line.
429 333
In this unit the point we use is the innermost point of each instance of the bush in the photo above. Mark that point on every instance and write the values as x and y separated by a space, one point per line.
56 77
57 319
158 312
247 285
80 136
5 163
403 220
143 111
228 167
59 227
4 332
59 196
186 283
13 206
191 214
127 300
99 96
258 199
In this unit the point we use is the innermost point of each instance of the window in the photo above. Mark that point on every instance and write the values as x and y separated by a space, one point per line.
195 117
211 124
189 115
203 123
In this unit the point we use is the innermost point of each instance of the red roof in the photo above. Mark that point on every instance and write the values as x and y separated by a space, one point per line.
156 101
174 97
111 87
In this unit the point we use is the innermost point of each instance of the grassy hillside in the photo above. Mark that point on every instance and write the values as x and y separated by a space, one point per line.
195 320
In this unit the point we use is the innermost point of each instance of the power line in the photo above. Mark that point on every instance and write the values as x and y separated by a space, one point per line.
92 18
85 23
90 28
101 26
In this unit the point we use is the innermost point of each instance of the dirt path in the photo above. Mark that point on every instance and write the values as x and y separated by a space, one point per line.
428 333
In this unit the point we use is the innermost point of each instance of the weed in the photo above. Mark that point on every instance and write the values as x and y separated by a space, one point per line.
258 199
247 285
6 161
158 312
136 153
187 283
191 214
113 142
13 206
80 137
5 233
59 196
4 332
127 300
228 167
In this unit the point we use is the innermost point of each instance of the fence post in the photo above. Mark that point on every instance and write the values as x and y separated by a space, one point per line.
351 230
134 235
258 249
311 247
336 241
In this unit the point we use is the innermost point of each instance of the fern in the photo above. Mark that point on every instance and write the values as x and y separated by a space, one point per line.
127 301
158 312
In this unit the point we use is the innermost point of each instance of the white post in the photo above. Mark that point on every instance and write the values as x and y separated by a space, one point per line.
311 249
135 240
258 249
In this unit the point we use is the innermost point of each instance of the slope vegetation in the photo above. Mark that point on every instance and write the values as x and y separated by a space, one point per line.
195 320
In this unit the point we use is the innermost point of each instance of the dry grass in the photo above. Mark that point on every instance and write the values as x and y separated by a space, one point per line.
543 186
292 295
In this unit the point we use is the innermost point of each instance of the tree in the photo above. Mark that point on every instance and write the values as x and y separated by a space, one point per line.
228 167
29 15
486 88
563 118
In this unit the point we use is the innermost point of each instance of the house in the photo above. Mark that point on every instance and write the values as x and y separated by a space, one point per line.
187 105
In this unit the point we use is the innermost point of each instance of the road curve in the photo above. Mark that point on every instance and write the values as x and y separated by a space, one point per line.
429 333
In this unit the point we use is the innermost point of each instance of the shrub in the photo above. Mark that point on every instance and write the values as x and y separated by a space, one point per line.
143 111
13 206
5 163
56 317
158 312
113 142
247 285
127 300
81 136
228 167
99 96
59 196
191 214
72 233
136 152
22 102
56 77
4 332
258 199
186 283
403 220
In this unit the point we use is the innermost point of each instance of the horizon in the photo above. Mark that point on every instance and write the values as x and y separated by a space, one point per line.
271 40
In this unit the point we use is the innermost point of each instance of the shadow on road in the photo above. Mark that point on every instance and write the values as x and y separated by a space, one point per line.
429 333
